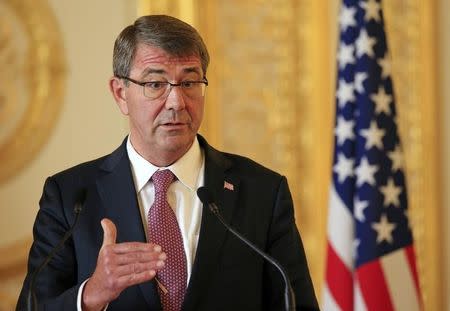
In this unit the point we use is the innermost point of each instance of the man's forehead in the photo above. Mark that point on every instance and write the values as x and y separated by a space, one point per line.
152 55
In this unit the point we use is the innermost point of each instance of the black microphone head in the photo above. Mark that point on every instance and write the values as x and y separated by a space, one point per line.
205 195
80 196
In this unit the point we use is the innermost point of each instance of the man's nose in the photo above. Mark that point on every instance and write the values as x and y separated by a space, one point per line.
175 98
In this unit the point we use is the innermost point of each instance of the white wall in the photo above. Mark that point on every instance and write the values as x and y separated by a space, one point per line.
90 125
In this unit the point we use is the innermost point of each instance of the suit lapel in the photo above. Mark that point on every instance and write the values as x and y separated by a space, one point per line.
212 232
117 192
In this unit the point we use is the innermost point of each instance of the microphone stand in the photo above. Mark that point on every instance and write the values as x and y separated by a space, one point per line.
31 297
289 297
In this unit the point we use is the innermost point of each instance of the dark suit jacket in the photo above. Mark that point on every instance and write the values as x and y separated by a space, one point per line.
226 274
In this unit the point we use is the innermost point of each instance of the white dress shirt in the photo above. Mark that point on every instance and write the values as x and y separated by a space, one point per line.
181 195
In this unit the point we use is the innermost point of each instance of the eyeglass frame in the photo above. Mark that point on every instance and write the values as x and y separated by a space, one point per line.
143 83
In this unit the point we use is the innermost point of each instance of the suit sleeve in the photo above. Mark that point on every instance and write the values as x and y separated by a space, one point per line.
56 286
285 245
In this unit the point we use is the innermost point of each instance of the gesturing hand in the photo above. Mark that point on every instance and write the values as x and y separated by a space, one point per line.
118 267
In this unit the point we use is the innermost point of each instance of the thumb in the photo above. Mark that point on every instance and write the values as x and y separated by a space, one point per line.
109 232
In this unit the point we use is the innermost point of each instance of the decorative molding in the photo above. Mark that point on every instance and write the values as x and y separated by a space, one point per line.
13 263
33 75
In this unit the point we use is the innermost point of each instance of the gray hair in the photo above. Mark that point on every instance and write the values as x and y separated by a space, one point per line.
174 36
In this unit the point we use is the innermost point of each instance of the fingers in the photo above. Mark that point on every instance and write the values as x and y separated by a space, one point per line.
109 232
128 247
138 268
120 266
135 278
139 257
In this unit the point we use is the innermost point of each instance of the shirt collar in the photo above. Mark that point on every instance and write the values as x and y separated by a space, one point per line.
186 169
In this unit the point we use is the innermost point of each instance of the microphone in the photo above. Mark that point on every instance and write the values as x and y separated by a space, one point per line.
206 198
78 207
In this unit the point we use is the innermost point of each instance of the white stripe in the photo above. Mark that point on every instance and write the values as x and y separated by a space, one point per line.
340 228
329 304
359 302
400 281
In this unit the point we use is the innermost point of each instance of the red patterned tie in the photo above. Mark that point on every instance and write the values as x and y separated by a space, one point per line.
164 230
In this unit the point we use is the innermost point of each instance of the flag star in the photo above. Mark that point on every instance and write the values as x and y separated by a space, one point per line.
372 8
359 207
382 101
385 64
343 168
364 44
345 55
373 135
365 172
345 93
396 157
384 229
344 130
347 17
391 193
359 80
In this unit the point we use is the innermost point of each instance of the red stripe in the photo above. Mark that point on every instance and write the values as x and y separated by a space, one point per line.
410 255
373 287
339 280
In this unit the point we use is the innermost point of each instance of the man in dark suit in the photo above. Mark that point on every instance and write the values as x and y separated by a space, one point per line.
158 249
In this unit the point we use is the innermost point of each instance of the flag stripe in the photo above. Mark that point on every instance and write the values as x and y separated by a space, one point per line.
329 303
373 287
410 254
339 280
399 279
360 305
341 230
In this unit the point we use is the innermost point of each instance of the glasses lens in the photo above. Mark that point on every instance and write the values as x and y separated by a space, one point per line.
154 90
193 90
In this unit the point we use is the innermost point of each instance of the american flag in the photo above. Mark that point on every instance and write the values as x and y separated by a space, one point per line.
370 254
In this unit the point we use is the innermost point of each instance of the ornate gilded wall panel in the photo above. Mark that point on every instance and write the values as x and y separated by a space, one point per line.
32 78
32 75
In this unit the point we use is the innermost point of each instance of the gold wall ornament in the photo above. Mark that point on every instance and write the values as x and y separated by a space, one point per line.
13 267
33 76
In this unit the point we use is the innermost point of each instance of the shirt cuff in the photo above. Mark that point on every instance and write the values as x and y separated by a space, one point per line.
80 295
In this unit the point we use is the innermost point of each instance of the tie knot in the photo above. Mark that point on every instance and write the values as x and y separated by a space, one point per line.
162 180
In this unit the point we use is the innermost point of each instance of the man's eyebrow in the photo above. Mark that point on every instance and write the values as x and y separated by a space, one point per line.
192 69
148 71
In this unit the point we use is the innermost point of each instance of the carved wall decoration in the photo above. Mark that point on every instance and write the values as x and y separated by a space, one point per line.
32 75
13 266
31 94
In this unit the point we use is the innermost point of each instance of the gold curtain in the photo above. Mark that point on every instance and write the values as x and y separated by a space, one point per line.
271 97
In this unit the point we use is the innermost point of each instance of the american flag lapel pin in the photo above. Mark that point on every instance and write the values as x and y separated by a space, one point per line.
228 186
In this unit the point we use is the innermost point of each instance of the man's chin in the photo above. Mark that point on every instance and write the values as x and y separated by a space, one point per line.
177 143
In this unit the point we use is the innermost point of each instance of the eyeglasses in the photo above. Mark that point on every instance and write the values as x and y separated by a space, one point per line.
161 89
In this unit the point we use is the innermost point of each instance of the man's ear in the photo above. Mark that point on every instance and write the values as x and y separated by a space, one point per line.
118 89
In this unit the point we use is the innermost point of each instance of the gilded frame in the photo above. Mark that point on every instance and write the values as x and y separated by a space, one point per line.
36 82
